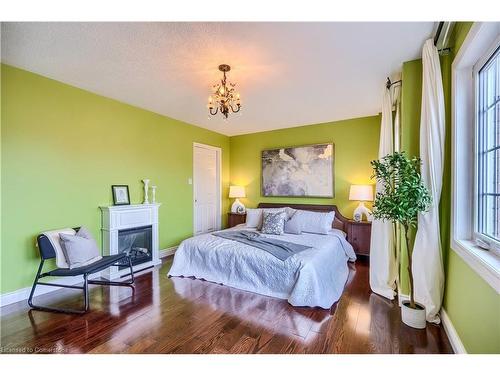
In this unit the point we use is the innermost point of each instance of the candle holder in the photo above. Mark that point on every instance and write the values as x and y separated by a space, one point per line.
146 188
153 193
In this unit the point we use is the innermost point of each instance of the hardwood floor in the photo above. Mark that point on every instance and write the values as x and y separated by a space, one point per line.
178 315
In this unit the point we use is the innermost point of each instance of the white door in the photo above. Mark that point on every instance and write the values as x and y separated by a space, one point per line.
206 189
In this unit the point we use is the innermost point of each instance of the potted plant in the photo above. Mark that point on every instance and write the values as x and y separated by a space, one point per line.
401 197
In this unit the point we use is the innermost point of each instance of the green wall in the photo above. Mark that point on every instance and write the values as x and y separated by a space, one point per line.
356 144
472 305
62 148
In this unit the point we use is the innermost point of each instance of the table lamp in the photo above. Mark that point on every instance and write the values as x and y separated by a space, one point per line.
237 192
361 193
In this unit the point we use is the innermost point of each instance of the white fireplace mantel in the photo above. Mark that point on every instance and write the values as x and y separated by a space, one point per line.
116 218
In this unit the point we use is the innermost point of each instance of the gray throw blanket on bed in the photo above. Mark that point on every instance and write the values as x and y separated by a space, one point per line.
280 249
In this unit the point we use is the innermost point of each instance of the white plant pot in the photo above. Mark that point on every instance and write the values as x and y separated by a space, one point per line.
413 317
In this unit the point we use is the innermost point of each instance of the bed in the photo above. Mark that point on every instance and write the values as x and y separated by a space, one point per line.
315 277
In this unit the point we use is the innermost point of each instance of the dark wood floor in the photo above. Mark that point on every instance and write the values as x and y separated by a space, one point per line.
190 316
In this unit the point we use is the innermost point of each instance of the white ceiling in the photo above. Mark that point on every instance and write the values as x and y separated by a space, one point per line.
288 74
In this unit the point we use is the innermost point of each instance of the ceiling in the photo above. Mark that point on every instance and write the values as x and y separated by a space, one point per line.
288 74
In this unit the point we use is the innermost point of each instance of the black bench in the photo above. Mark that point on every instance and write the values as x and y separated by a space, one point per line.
47 251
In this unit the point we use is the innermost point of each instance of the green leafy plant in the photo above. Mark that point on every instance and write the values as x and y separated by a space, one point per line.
401 196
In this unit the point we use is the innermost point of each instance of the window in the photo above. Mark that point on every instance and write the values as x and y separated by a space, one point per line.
487 200
475 141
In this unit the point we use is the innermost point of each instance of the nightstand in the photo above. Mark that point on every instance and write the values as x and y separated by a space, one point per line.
234 219
358 235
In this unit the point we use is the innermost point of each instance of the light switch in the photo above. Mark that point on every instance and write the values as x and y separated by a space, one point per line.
190 181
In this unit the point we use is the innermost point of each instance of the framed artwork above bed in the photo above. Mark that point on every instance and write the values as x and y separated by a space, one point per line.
301 171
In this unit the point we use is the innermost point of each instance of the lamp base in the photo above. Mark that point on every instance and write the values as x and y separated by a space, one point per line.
360 211
237 207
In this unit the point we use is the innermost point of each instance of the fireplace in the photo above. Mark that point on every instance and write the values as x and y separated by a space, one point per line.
137 244
132 229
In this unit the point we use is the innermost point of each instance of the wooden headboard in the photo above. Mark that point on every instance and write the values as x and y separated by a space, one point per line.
340 222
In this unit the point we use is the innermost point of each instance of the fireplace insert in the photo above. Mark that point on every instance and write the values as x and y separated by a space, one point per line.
136 243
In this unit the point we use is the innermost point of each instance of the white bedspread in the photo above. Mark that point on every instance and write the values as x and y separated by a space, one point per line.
314 277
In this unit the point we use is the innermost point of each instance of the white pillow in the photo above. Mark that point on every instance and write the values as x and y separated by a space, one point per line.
294 225
315 222
290 212
254 218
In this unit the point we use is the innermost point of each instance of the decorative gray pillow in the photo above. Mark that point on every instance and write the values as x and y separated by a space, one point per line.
269 210
80 249
274 223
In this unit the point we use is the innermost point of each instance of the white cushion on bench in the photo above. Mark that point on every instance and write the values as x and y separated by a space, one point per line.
53 236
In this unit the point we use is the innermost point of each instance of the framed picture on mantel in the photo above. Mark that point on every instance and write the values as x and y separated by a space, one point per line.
121 195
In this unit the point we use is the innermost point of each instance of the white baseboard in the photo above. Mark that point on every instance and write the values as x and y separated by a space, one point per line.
456 343
23 294
168 251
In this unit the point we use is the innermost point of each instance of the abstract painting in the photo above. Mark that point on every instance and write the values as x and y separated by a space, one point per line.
304 171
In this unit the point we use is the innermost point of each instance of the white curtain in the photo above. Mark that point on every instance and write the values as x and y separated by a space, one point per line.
383 266
427 257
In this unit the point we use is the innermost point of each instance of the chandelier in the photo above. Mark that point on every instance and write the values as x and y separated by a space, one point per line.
224 98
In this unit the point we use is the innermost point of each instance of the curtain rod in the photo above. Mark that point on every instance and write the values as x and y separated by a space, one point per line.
441 51
389 83
438 32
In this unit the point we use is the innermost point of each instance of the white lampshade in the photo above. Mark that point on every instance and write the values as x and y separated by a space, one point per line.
361 193
236 192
